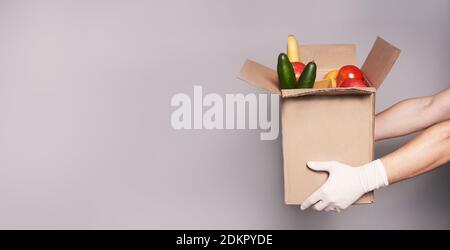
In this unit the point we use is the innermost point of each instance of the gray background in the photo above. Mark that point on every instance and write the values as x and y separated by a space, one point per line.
85 89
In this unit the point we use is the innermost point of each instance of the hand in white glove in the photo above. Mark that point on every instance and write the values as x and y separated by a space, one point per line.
345 184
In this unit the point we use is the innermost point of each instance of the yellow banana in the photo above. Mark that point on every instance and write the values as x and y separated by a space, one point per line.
293 50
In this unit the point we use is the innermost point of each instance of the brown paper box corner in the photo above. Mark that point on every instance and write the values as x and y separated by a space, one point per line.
325 124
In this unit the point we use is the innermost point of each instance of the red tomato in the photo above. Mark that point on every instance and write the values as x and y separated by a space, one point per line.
348 72
353 83
298 69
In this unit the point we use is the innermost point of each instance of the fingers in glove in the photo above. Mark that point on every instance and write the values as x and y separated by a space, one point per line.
332 208
312 199
319 206
320 165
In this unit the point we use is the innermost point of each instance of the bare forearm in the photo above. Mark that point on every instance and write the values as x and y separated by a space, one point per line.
401 119
426 152
412 115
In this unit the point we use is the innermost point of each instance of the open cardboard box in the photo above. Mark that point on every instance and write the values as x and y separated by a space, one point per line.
325 124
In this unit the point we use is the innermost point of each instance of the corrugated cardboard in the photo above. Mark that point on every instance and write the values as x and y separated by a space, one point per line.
324 124
379 62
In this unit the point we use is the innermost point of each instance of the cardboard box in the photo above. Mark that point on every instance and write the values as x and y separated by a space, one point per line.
325 124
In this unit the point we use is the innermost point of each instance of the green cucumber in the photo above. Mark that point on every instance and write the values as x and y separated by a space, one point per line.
308 76
286 74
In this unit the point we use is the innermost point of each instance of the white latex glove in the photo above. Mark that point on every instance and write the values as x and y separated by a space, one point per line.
345 184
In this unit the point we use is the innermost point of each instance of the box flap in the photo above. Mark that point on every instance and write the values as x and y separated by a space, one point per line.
329 56
260 76
379 62
287 93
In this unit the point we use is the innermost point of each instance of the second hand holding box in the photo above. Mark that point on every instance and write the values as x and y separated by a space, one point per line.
325 124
